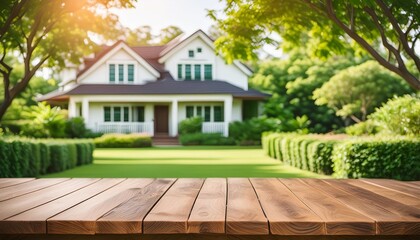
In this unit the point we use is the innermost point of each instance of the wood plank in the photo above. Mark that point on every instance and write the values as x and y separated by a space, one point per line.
34 221
394 185
392 217
209 212
339 218
286 214
6 182
127 218
28 187
31 200
81 219
406 199
244 214
170 214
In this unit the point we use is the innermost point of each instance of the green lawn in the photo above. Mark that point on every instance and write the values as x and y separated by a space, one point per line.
185 162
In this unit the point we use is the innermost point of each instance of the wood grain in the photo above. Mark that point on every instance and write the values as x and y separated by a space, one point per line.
34 221
395 185
286 214
209 212
392 217
6 182
244 215
127 218
28 187
339 218
81 219
23 203
170 214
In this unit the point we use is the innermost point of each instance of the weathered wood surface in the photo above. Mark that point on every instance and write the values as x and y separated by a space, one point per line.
234 208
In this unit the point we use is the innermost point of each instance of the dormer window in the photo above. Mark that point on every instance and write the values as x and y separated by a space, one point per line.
195 72
208 72
123 72
120 73
191 53
130 72
112 73
199 50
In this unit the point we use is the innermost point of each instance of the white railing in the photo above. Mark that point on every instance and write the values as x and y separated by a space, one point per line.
124 127
214 127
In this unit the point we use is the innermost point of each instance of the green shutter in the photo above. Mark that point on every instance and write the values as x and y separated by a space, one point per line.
207 114
179 71
190 111
126 114
218 114
140 114
117 114
197 72
107 114
130 72
188 72
208 72
112 72
121 72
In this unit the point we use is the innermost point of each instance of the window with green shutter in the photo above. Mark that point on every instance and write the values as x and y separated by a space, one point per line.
140 114
207 114
121 72
190 111
130 72
107 114
179 71
218 113
117 114
188 72
111 72
208 72
197 72
126 114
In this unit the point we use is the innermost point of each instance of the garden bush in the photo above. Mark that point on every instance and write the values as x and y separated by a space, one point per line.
367 127
249 132
21 157
212 139
76 128
374 157
115 140
190 125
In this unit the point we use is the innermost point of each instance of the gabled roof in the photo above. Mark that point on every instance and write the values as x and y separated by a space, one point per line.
159 87
107 52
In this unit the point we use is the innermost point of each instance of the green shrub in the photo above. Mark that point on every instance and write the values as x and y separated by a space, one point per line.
5 149
59 157
205 139
367 127
123 141
249 132
45 155
190 125
76 128
378 158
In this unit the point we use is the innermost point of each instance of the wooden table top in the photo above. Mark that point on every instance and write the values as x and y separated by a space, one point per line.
213 206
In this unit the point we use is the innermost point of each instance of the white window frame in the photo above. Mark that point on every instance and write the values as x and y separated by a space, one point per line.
117 69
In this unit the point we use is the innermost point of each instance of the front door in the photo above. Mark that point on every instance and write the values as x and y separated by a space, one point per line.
161 119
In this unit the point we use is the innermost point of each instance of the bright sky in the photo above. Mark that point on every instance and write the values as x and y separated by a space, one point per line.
189 15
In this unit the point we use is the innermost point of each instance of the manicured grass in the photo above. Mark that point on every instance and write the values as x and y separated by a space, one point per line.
185 162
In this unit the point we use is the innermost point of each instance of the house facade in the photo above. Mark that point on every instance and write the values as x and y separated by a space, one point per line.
151 89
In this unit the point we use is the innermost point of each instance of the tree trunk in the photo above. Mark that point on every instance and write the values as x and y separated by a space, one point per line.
4 106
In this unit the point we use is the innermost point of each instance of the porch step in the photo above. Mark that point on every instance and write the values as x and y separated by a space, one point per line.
162 140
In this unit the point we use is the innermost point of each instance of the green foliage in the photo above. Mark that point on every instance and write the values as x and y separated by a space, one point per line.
46 121
249 132
22 157
397 158
190 125
367 127
115 140
356 91
372 157
76 128
400 115
210 139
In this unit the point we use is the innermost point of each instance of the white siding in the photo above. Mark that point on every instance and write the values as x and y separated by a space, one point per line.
237 110
101 73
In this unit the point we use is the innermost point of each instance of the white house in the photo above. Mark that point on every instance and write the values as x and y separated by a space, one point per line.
152 88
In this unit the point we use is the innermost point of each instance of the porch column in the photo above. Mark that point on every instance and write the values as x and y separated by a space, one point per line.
174 118
227 114
72 108
85 111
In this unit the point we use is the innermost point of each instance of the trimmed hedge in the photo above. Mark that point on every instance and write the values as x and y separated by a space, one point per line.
210 139
115 140
347 157
31 158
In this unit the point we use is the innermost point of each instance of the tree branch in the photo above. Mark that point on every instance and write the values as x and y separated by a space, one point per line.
14 15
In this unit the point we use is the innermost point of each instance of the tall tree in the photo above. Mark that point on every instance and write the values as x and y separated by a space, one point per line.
169 33
387 29
44 32
140 36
